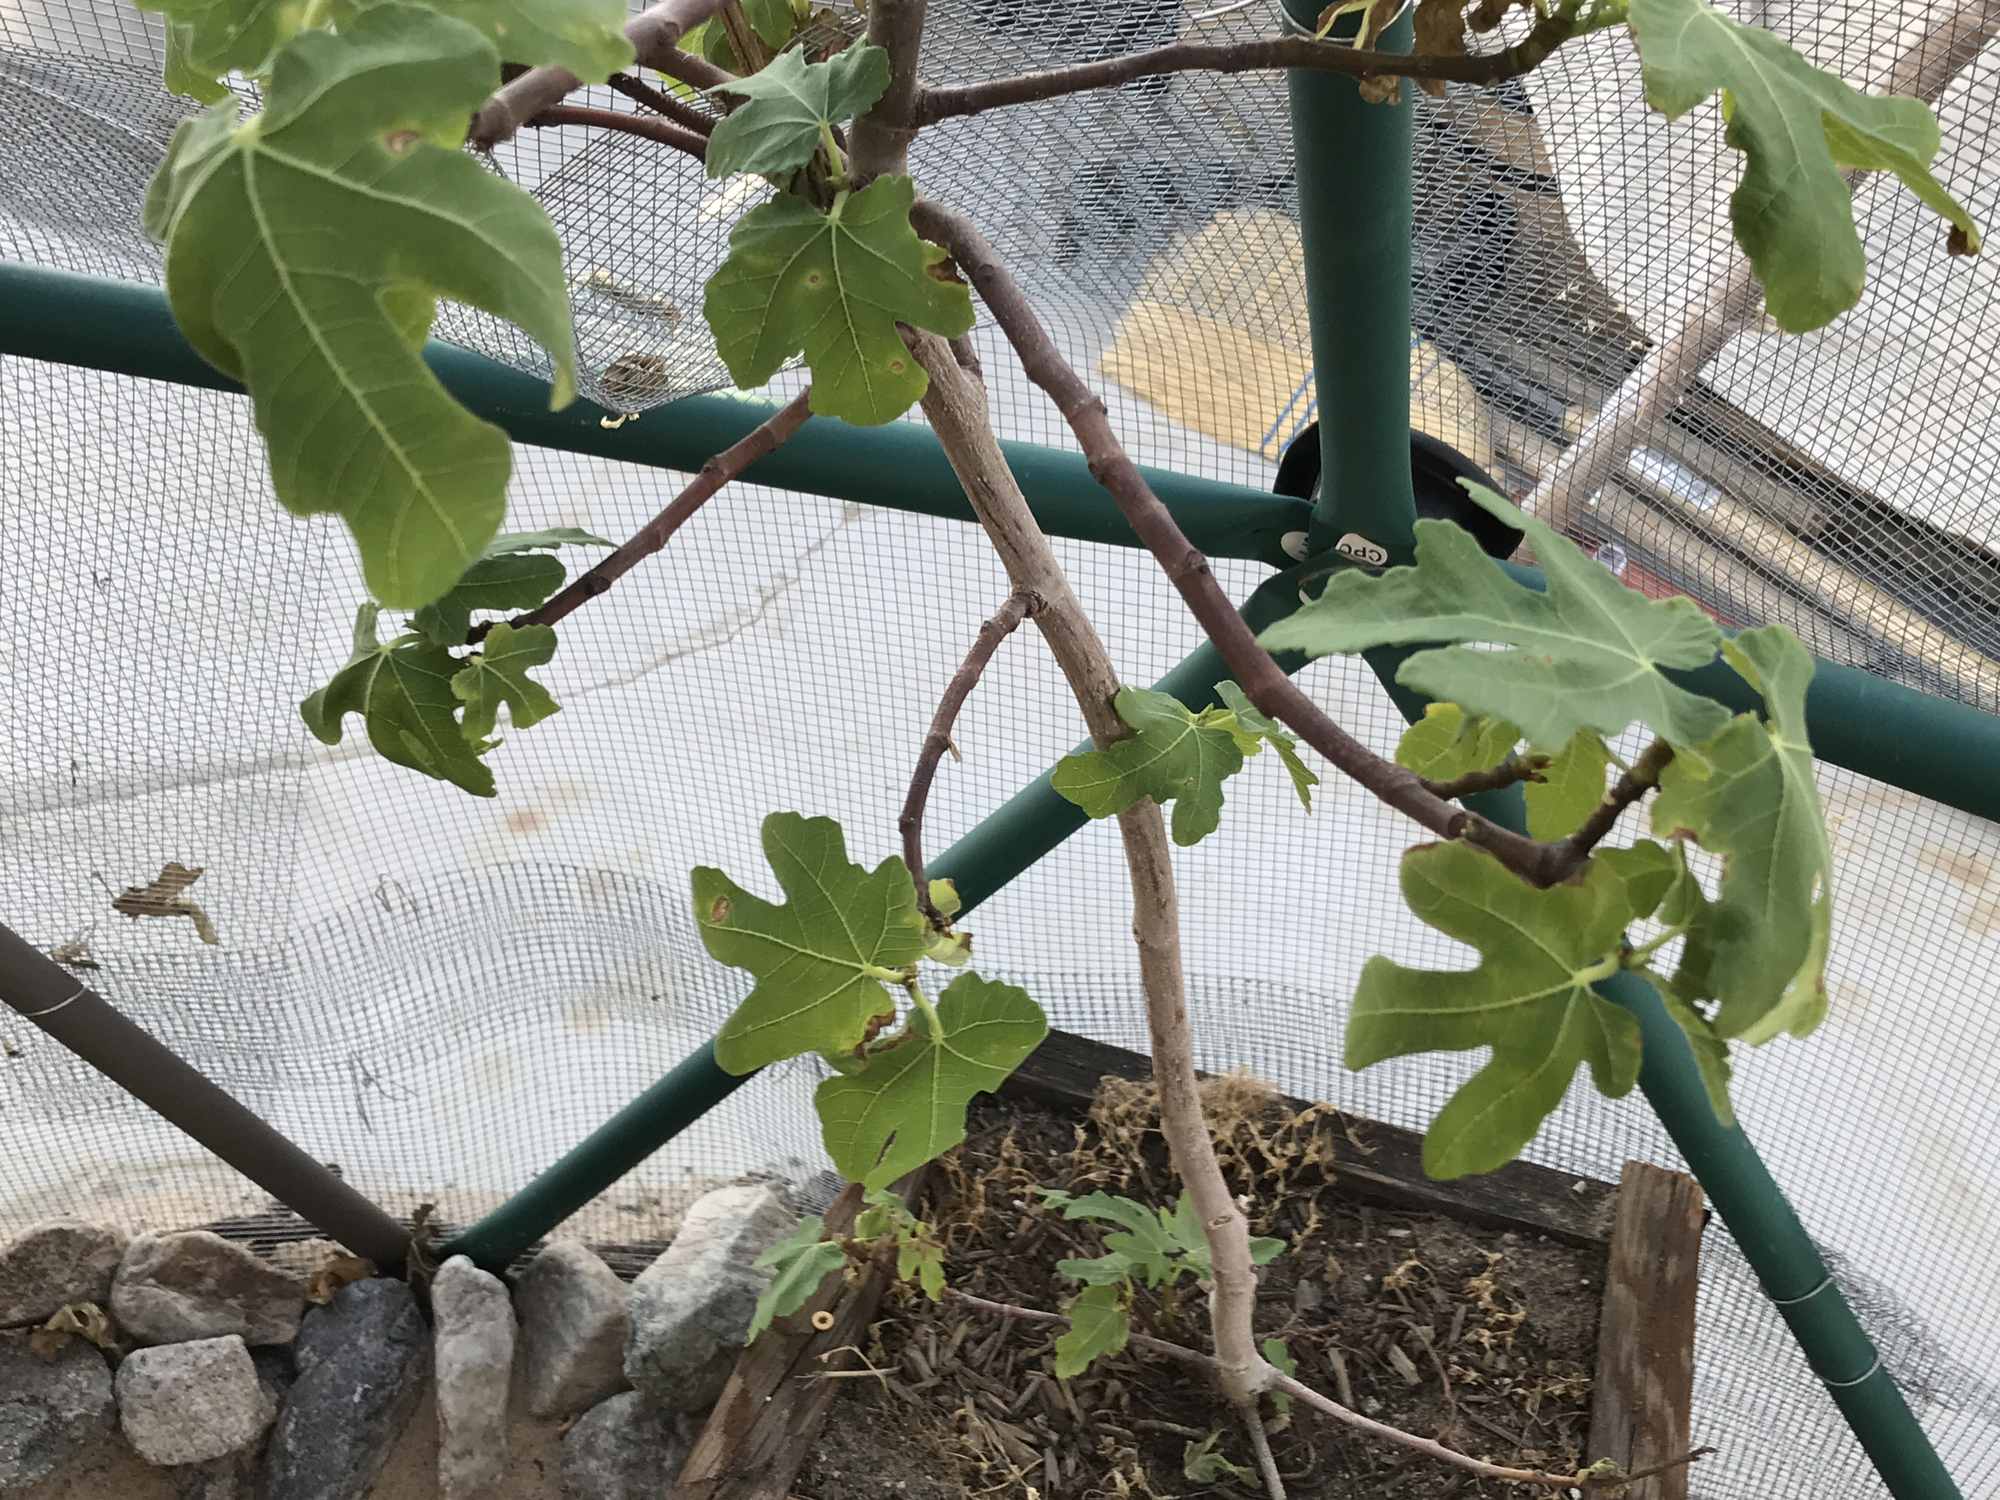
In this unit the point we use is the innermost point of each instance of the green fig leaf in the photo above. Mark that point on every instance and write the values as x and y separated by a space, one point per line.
1447 743
907 1104
510 574
1174 756
1570 790
791 102
1589 653
1761 945
833 286
1797 128
305 249
1254 729
821 959
1099 1327
402 688
499 674
1529 999
799 1265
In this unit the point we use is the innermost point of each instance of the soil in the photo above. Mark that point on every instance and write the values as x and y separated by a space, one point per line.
1481 1339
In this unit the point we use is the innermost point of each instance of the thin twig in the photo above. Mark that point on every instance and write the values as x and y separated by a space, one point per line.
1301 1392
666 132
1634 784
1513 769
1267 1463
1260 677
934 104
652 34
1327 1406
766 438
1020 604
696 72
661 102
751 53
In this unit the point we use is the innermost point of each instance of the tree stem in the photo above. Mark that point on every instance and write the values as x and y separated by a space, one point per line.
652 32
956 406
661 103
666 132
1259 676
1634 784
767 437
934 104
1019 606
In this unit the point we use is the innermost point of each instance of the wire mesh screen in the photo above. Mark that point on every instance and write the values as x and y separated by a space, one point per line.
440 993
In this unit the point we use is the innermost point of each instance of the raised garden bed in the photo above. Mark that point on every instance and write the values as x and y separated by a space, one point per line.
1527 1317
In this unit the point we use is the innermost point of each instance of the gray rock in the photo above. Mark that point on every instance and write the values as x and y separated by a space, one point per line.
575 1313
53 1412
53 1264
174 1288
235 1477
473 1339
691 1308
362 1362
623 1449
190 1403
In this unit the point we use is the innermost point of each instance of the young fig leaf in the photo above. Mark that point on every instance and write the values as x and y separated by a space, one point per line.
1797 128
1762 944
1588 654
1174 755
833 286
907 1104
305 250
821 959
1098 1328
402 688
1529 999
499 674
799 1265
1254 729
511 574
1570 790
1446 743
791 103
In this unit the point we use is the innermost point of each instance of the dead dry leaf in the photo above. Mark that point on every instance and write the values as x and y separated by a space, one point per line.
166 896
82 1320
336 1273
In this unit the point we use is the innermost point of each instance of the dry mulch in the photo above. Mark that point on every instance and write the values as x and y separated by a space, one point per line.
1481 1339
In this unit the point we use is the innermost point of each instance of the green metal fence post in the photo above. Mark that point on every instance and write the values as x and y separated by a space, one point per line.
1353 162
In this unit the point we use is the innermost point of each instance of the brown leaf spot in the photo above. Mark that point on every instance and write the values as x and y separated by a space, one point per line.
719 910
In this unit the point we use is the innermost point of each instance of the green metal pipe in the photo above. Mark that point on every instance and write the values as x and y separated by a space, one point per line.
128 329
1353 162
694 1086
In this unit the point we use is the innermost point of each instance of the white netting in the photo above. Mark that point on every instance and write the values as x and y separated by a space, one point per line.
441 994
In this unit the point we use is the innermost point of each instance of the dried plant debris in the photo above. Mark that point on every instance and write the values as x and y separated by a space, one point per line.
74 1320
1482 1339
166 896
